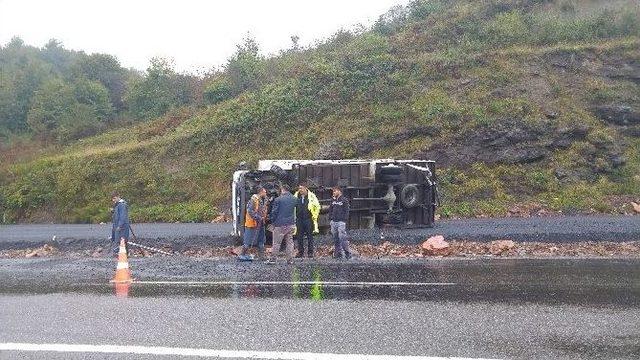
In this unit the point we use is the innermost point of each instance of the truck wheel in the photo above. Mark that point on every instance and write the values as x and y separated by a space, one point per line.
410 196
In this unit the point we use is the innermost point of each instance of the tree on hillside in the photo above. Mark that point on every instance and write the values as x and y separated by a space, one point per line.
19 81
152 95
55 54
105 69
245 68
188 89
295 43
96 96
391 21
96 81
63 112
10 117
243 71
52 105
161 89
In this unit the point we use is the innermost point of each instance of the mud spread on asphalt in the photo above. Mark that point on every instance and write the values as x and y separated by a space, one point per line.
386 249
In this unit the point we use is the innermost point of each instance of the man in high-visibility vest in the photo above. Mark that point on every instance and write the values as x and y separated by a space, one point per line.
254 219
307 212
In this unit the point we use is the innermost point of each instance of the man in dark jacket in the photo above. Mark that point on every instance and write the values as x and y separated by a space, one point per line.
339 216
120 223
283 219
307 211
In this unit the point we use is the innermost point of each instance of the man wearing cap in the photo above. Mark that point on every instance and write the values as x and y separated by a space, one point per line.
339 215
120 222
255 217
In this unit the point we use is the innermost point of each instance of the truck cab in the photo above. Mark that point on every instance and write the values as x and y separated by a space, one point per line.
382 192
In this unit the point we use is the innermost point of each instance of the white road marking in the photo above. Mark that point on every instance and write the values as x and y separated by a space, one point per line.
224 354
323 283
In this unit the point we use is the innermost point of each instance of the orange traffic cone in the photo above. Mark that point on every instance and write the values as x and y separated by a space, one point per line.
122 289
123 274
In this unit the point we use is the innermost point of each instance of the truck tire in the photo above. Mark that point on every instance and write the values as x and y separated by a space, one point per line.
410 196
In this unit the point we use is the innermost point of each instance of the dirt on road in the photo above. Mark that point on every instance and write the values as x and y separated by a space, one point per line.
499 248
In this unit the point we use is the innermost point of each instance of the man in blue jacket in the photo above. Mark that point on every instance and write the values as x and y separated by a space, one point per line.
120 222
339 216
283 219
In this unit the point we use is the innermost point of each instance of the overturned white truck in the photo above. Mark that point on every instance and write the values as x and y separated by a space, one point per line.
382 192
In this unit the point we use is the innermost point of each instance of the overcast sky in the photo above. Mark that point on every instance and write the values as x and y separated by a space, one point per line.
196 34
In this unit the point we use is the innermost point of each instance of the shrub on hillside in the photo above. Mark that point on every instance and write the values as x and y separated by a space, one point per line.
29 188
218 90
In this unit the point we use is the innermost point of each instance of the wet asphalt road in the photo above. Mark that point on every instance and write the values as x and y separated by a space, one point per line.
550 229
498 308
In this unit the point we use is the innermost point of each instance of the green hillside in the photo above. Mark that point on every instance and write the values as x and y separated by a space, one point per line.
524 104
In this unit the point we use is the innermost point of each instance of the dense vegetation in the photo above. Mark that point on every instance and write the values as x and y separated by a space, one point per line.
524 104
58 95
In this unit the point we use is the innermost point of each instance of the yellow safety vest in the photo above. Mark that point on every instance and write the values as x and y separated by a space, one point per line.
314 209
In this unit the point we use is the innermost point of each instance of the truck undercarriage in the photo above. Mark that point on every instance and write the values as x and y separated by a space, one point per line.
384 192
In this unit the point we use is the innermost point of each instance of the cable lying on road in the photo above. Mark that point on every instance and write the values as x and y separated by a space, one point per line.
149 248
133 234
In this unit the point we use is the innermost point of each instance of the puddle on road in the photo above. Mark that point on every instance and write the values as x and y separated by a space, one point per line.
597 283
316 292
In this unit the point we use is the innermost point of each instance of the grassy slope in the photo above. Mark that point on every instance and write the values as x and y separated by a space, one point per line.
435 85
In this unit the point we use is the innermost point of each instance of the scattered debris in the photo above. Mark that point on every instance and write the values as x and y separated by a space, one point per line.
502 248
98 252
434 248
636 207
221 218
499 247
43 251
237 250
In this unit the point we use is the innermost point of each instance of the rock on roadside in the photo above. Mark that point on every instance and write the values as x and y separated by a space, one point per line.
436 246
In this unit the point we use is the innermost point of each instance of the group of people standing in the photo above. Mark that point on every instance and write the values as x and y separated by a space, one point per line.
294 216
